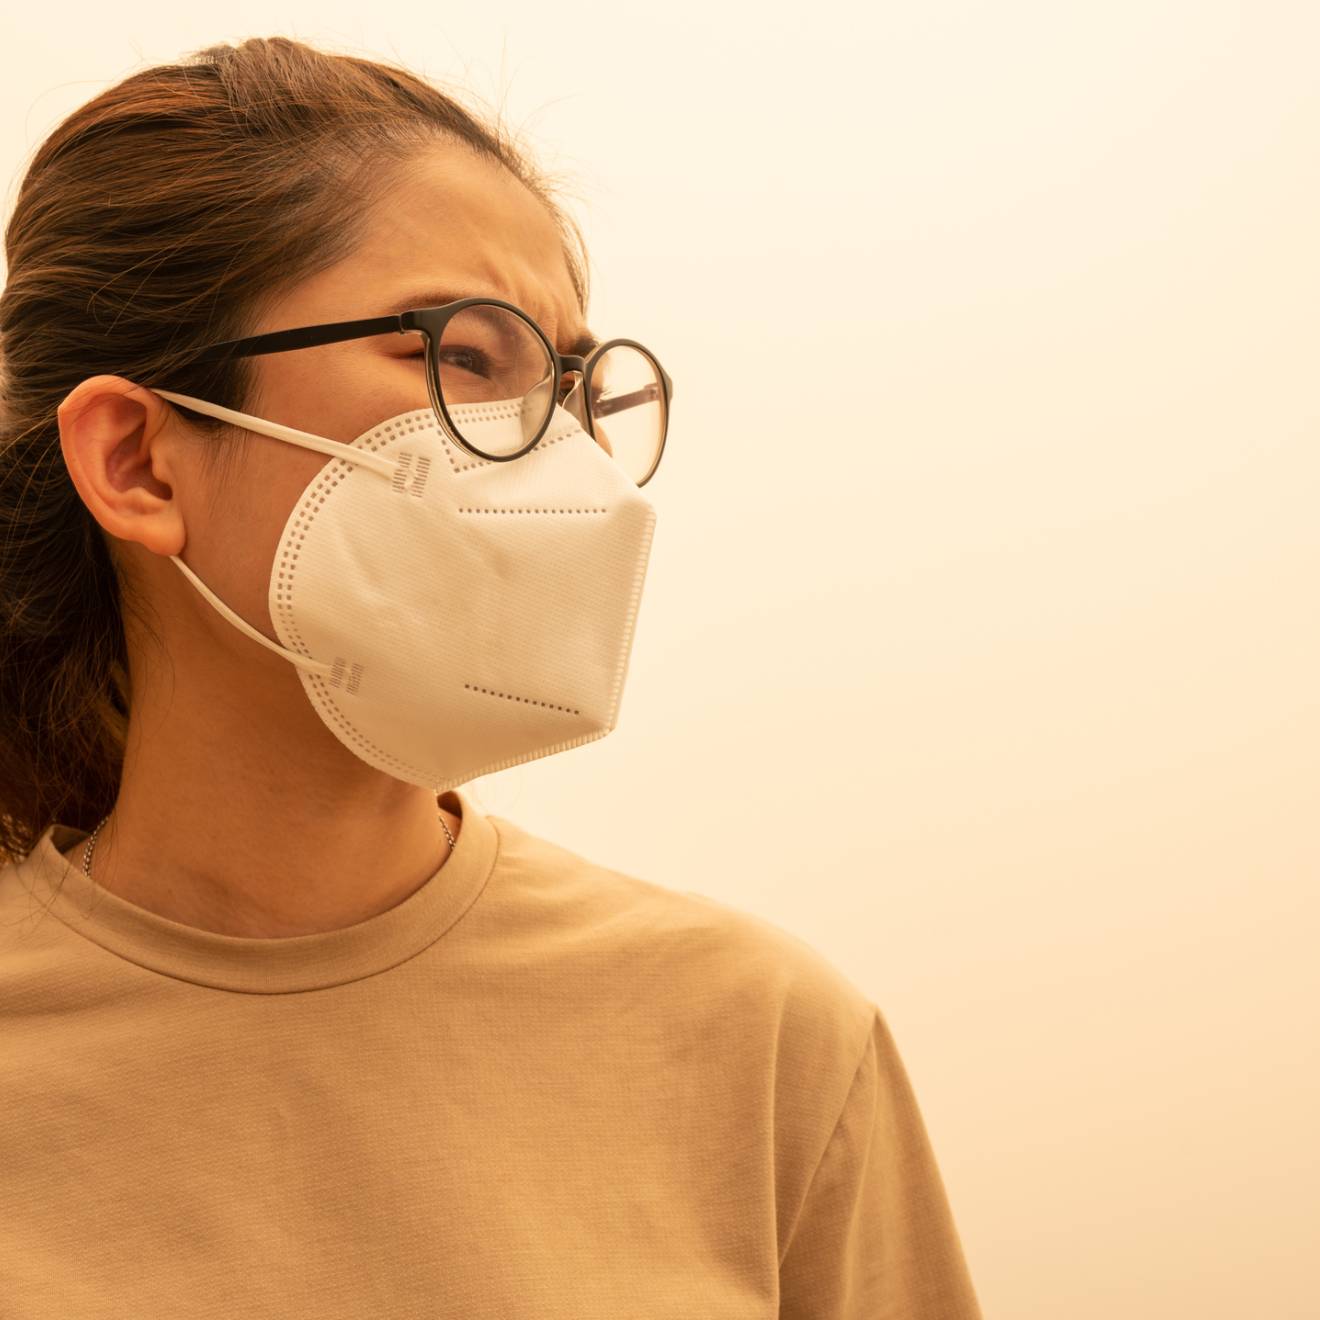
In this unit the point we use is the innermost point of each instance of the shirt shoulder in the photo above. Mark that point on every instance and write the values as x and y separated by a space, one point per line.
721 958
771 1026
791 1068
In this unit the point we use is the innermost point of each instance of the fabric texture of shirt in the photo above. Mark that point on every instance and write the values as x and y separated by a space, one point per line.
536 1088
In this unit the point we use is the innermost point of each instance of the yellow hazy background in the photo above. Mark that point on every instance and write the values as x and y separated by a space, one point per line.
980 640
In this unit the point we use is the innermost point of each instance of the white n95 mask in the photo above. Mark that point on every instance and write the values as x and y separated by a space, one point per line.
449 615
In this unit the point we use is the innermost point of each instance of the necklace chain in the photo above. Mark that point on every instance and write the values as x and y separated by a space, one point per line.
91 842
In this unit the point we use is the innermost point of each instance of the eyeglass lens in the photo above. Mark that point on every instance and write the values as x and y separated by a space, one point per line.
490 355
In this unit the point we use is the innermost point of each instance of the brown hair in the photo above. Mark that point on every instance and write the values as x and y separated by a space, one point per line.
163 215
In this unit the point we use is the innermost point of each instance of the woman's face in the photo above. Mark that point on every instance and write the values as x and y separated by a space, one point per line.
455 225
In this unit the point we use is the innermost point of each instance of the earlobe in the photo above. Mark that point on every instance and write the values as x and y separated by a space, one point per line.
115 439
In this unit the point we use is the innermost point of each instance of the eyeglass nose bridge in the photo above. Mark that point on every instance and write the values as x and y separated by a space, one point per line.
575 401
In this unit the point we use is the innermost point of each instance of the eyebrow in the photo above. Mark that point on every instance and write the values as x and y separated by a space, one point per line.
582 345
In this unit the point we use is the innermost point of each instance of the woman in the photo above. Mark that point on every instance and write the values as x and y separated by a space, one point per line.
274 1039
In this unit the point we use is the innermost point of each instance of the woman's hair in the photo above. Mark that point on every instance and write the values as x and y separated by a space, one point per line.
166 214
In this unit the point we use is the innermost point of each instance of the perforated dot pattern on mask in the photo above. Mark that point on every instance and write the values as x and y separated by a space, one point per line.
423 419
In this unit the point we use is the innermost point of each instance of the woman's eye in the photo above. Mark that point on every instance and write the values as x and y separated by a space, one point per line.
467 359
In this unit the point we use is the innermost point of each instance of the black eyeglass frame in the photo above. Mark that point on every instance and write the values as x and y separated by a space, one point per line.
430 322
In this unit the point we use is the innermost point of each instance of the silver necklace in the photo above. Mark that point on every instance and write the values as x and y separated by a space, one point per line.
91 842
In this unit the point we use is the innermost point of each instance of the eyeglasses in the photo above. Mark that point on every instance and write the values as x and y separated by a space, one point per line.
486 360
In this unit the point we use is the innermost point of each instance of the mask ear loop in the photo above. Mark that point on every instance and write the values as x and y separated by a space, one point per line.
302 661
306 439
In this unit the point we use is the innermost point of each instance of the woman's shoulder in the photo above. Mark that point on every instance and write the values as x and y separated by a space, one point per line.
725 970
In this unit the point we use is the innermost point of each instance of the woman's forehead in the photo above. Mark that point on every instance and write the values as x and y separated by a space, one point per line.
452 221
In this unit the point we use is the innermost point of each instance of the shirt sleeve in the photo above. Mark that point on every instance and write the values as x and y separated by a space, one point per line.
875 1238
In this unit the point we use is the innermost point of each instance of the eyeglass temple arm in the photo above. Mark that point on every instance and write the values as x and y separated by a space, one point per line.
618 402
280 341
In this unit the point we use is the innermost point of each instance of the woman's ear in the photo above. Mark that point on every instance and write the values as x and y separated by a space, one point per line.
121 446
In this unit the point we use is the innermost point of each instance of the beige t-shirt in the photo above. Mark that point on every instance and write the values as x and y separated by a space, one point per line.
536 1088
